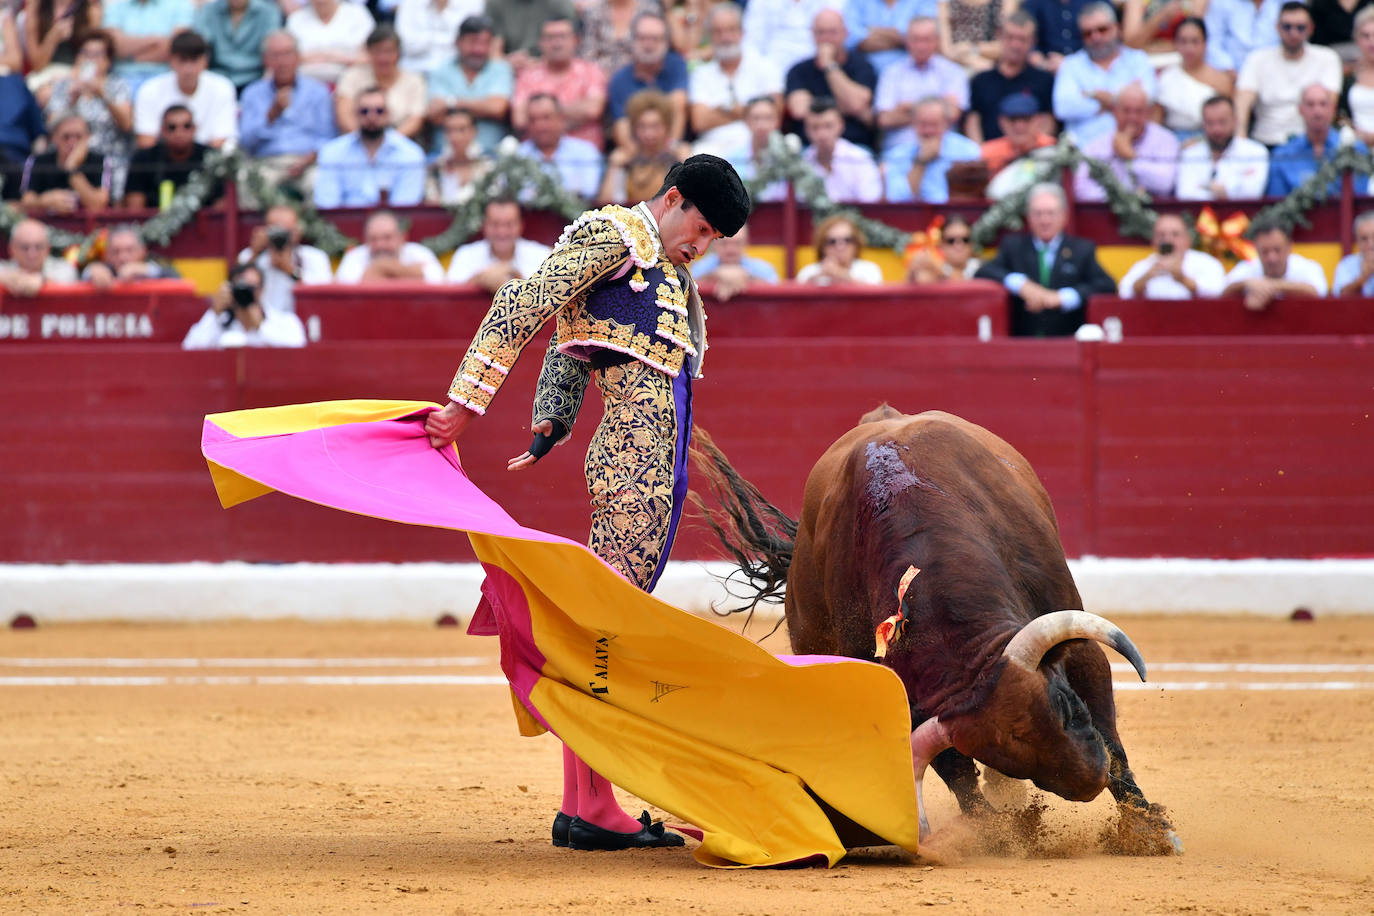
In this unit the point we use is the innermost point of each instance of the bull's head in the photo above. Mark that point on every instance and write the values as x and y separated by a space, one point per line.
1033 725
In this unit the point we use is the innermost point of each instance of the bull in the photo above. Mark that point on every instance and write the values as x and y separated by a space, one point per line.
945 523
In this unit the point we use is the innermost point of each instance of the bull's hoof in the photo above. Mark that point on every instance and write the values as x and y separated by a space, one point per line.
1141 831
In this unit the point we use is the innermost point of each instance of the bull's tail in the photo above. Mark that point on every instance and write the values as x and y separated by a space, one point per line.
756 533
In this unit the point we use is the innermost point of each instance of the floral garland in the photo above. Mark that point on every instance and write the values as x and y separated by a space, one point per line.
511 175
1292 210
321 233
782 160
514 175
1131 207
189 200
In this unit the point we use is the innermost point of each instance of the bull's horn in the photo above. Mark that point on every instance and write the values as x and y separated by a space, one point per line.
1043 633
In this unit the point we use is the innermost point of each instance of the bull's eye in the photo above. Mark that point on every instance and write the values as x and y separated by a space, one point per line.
1070 709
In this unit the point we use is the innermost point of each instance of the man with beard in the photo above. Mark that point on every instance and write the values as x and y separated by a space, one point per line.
1272 80
374 165
475 82
1220 165
629 320
1086 85
721 89
653 65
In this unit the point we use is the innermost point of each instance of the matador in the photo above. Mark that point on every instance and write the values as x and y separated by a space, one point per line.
629 320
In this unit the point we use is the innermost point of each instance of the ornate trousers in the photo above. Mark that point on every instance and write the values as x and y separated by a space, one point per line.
637 468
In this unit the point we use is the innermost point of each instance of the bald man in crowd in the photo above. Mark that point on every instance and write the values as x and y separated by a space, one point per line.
31 263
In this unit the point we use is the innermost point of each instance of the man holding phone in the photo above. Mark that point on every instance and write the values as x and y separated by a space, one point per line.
1174 270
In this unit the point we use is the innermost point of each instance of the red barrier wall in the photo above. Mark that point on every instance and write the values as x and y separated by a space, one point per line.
215 232
1224 448
151 311
418 311
1212 317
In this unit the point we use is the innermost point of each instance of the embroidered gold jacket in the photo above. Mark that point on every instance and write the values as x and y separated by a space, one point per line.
612 244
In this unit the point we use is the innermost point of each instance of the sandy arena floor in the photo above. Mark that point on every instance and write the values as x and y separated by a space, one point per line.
317 786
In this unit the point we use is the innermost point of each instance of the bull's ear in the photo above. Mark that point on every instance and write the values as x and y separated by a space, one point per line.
883 411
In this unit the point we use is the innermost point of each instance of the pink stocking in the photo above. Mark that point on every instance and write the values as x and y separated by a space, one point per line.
570 762
596 802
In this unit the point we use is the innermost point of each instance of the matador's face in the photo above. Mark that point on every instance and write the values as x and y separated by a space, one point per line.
685 232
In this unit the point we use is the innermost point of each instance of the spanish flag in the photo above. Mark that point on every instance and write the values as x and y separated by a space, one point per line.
778 760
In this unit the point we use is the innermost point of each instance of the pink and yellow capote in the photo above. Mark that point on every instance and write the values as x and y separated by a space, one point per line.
684 713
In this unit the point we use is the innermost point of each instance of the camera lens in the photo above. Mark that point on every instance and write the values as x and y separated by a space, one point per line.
244 294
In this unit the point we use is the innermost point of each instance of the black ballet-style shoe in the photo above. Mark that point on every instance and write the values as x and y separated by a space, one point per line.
561 823
582 835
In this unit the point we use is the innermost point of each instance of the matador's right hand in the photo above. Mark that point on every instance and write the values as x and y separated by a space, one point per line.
446 425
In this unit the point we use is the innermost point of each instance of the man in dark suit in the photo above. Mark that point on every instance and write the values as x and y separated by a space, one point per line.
1050 275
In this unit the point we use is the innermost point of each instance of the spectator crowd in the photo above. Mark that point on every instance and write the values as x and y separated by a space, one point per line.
393 103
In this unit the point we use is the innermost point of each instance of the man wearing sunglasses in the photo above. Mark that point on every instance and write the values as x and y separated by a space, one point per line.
156 173
1088 81
374 165
1272 80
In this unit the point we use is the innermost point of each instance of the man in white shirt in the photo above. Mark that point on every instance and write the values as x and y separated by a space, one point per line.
212 99
1271 80
385 255
1173 270
1219 165
720 90
236 317
850 172
920 75
501 254
276 250
1276 273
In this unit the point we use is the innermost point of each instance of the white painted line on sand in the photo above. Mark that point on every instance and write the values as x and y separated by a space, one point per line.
1255 667
1248 686
272 680
454 661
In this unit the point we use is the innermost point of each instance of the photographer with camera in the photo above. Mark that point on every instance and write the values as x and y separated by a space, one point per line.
236 317
1174 270
276 250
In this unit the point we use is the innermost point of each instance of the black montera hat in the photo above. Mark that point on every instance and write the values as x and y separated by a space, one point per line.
712 186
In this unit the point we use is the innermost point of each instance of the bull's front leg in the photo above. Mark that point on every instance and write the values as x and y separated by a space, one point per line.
960 773
1143 828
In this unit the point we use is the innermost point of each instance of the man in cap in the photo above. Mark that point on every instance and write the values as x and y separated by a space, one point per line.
630 320
1020 133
